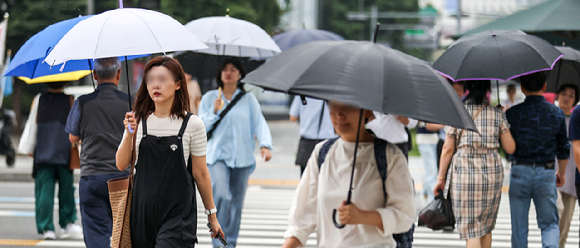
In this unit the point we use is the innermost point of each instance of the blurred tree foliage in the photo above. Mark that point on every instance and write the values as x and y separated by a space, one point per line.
264 13
28 17
334 19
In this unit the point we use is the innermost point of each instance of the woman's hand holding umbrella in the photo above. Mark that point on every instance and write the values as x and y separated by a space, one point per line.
350 214
130 123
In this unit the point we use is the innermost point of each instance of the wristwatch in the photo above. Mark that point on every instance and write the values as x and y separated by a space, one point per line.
210 212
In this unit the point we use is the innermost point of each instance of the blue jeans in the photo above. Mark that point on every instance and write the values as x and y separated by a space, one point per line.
96 212
229 190
539 184
429 155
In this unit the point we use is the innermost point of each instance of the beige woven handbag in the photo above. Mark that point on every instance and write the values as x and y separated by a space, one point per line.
121 196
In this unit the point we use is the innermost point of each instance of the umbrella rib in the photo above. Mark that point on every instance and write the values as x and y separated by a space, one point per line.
156 40
99 37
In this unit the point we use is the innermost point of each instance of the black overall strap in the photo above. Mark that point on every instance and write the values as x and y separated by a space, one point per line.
184 126
144 124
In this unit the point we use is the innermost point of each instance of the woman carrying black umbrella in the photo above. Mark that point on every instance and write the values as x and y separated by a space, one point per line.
475 176
370 219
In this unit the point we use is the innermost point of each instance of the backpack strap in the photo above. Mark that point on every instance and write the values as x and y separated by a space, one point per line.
381 159
324 151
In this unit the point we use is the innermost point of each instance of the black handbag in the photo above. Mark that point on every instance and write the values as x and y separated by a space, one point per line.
438 214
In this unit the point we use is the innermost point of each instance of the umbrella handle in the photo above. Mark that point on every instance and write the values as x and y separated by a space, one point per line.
336 224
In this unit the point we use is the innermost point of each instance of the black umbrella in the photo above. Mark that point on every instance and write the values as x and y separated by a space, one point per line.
566 70
496 55
367 75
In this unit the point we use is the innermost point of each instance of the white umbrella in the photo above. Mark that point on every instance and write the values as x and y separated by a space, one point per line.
123 32
233 37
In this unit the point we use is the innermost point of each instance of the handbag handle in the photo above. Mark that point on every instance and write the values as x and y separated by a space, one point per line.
133 153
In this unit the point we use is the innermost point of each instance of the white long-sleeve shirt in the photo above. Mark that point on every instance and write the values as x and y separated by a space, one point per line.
319 192
387 127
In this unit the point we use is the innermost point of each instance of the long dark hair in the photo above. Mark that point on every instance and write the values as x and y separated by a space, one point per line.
144 105
238 65
477 91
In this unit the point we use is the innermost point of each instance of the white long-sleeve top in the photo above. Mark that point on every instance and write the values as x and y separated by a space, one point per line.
387 127
319 192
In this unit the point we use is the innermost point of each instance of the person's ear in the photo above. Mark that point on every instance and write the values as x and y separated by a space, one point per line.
178 84
544 88
95 76
119 75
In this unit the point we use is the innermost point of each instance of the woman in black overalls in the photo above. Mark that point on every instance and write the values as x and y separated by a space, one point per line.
164 211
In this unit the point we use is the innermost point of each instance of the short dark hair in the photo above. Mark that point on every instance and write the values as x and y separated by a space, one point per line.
57 85
477 90
533 82
236 63
573 87
511 87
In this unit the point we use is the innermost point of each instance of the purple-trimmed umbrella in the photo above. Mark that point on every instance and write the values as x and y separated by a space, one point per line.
496 55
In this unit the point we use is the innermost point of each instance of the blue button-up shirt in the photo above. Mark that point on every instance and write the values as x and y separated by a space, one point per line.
233 140
310 119
539 129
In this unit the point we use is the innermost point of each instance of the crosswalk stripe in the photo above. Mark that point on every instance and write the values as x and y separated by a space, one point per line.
265 219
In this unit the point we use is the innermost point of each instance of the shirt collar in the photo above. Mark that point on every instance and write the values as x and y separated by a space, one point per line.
107 86
535 99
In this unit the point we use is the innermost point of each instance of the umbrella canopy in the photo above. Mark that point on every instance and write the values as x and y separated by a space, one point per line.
28 61
496 55
228 36
367 75
555 15
297 37
566 70
123 32
61 77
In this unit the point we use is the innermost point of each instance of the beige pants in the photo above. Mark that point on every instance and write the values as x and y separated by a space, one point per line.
566 205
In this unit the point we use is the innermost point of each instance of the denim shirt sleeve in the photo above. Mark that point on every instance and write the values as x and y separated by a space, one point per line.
563 143
205 110
259 124
73 123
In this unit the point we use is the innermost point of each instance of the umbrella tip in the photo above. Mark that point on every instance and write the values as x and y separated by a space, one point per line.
6 15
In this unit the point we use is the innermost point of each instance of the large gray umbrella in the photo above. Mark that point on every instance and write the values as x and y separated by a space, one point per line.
496 55
367 75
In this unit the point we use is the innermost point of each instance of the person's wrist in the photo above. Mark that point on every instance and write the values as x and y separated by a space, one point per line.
212 217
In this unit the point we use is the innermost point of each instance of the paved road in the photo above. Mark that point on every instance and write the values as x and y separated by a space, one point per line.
263 222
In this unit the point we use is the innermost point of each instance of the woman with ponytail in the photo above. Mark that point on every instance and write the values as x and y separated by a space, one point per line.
475 176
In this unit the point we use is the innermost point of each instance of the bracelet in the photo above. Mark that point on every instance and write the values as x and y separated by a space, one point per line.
441 178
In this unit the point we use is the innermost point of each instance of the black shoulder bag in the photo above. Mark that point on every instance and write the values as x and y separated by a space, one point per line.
223 113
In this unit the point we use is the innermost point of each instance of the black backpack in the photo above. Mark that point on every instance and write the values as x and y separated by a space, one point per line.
404 240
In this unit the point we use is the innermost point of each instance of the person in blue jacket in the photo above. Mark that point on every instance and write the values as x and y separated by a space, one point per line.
230 145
